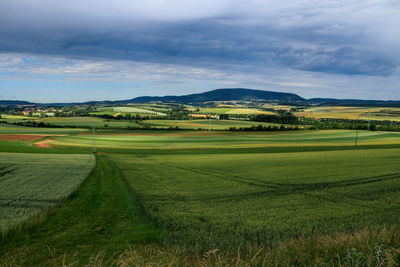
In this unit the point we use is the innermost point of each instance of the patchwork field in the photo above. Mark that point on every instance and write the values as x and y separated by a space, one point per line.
127 110
232 111
137 111
199 198
193 124
33 183
15 138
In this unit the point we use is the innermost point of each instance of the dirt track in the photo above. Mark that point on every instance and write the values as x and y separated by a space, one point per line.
44 143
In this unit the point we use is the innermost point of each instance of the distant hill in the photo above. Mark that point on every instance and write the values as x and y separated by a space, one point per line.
227 94
14 103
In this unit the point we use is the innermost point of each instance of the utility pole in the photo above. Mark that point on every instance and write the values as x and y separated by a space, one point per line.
356 141
93 140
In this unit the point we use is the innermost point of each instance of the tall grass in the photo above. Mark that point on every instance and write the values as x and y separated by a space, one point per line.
360 248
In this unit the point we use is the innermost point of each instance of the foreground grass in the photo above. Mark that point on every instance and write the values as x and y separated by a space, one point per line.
362 248
102 216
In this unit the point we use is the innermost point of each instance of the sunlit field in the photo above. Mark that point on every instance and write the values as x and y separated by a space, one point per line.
192 140
176 194
351 113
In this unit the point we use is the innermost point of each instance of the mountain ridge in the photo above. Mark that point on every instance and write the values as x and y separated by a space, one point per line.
224 94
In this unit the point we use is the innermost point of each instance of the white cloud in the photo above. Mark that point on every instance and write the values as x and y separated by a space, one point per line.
302 46
180 79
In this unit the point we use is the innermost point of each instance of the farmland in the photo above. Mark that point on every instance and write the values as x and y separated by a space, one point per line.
351 113
87 122
167 140
231 200
127 110
193 124
137 111
97 122
238 110
10 128
164 196
203 124
33 183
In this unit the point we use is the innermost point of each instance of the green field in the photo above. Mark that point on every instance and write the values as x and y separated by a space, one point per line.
14 118
14 129
103 217
203 124
235 200
33 183
168 141
199 198
88 122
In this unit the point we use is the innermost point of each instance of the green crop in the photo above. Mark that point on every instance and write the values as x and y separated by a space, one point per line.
232 200
33 183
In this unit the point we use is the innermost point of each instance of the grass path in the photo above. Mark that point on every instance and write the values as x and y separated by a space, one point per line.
102 217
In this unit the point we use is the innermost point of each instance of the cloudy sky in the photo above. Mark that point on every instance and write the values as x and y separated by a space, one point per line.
53 50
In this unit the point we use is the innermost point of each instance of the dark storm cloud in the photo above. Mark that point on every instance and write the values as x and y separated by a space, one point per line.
348 38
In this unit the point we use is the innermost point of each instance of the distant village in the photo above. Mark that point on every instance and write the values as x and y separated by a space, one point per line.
41 111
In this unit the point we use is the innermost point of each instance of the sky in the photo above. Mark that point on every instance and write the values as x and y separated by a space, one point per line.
63 51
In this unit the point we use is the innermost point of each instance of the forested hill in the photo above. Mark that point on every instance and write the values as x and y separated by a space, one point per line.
231 94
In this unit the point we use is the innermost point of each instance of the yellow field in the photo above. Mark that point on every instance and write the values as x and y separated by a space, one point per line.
201 116
17 117
248 111
351 113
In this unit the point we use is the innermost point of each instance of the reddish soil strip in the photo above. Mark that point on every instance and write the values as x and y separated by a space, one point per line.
44 143
20 137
